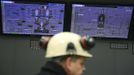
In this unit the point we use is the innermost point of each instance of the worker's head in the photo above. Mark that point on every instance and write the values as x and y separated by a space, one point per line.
70 49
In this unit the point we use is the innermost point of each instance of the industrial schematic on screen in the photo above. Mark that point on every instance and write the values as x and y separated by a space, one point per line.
31 18
109 21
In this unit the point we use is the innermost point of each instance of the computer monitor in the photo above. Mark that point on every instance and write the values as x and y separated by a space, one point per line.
26 18
104 21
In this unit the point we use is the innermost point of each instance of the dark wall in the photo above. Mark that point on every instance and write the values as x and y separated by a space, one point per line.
17 57
22 56
93 1
83 1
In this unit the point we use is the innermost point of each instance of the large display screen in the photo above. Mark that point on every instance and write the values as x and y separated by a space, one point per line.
108 21
31 18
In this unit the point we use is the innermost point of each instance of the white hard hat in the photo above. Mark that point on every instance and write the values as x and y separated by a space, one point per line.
67 43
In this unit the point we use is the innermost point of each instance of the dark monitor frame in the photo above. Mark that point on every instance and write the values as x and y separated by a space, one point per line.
35 2
131 28
68 14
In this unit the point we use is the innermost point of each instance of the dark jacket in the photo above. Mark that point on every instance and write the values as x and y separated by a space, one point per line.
52 68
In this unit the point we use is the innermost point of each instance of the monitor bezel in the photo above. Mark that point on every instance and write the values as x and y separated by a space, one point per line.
131 28
33 2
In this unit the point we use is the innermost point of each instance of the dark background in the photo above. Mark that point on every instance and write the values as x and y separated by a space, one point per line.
20 55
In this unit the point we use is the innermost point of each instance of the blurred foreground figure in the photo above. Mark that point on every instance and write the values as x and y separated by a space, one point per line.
67 53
